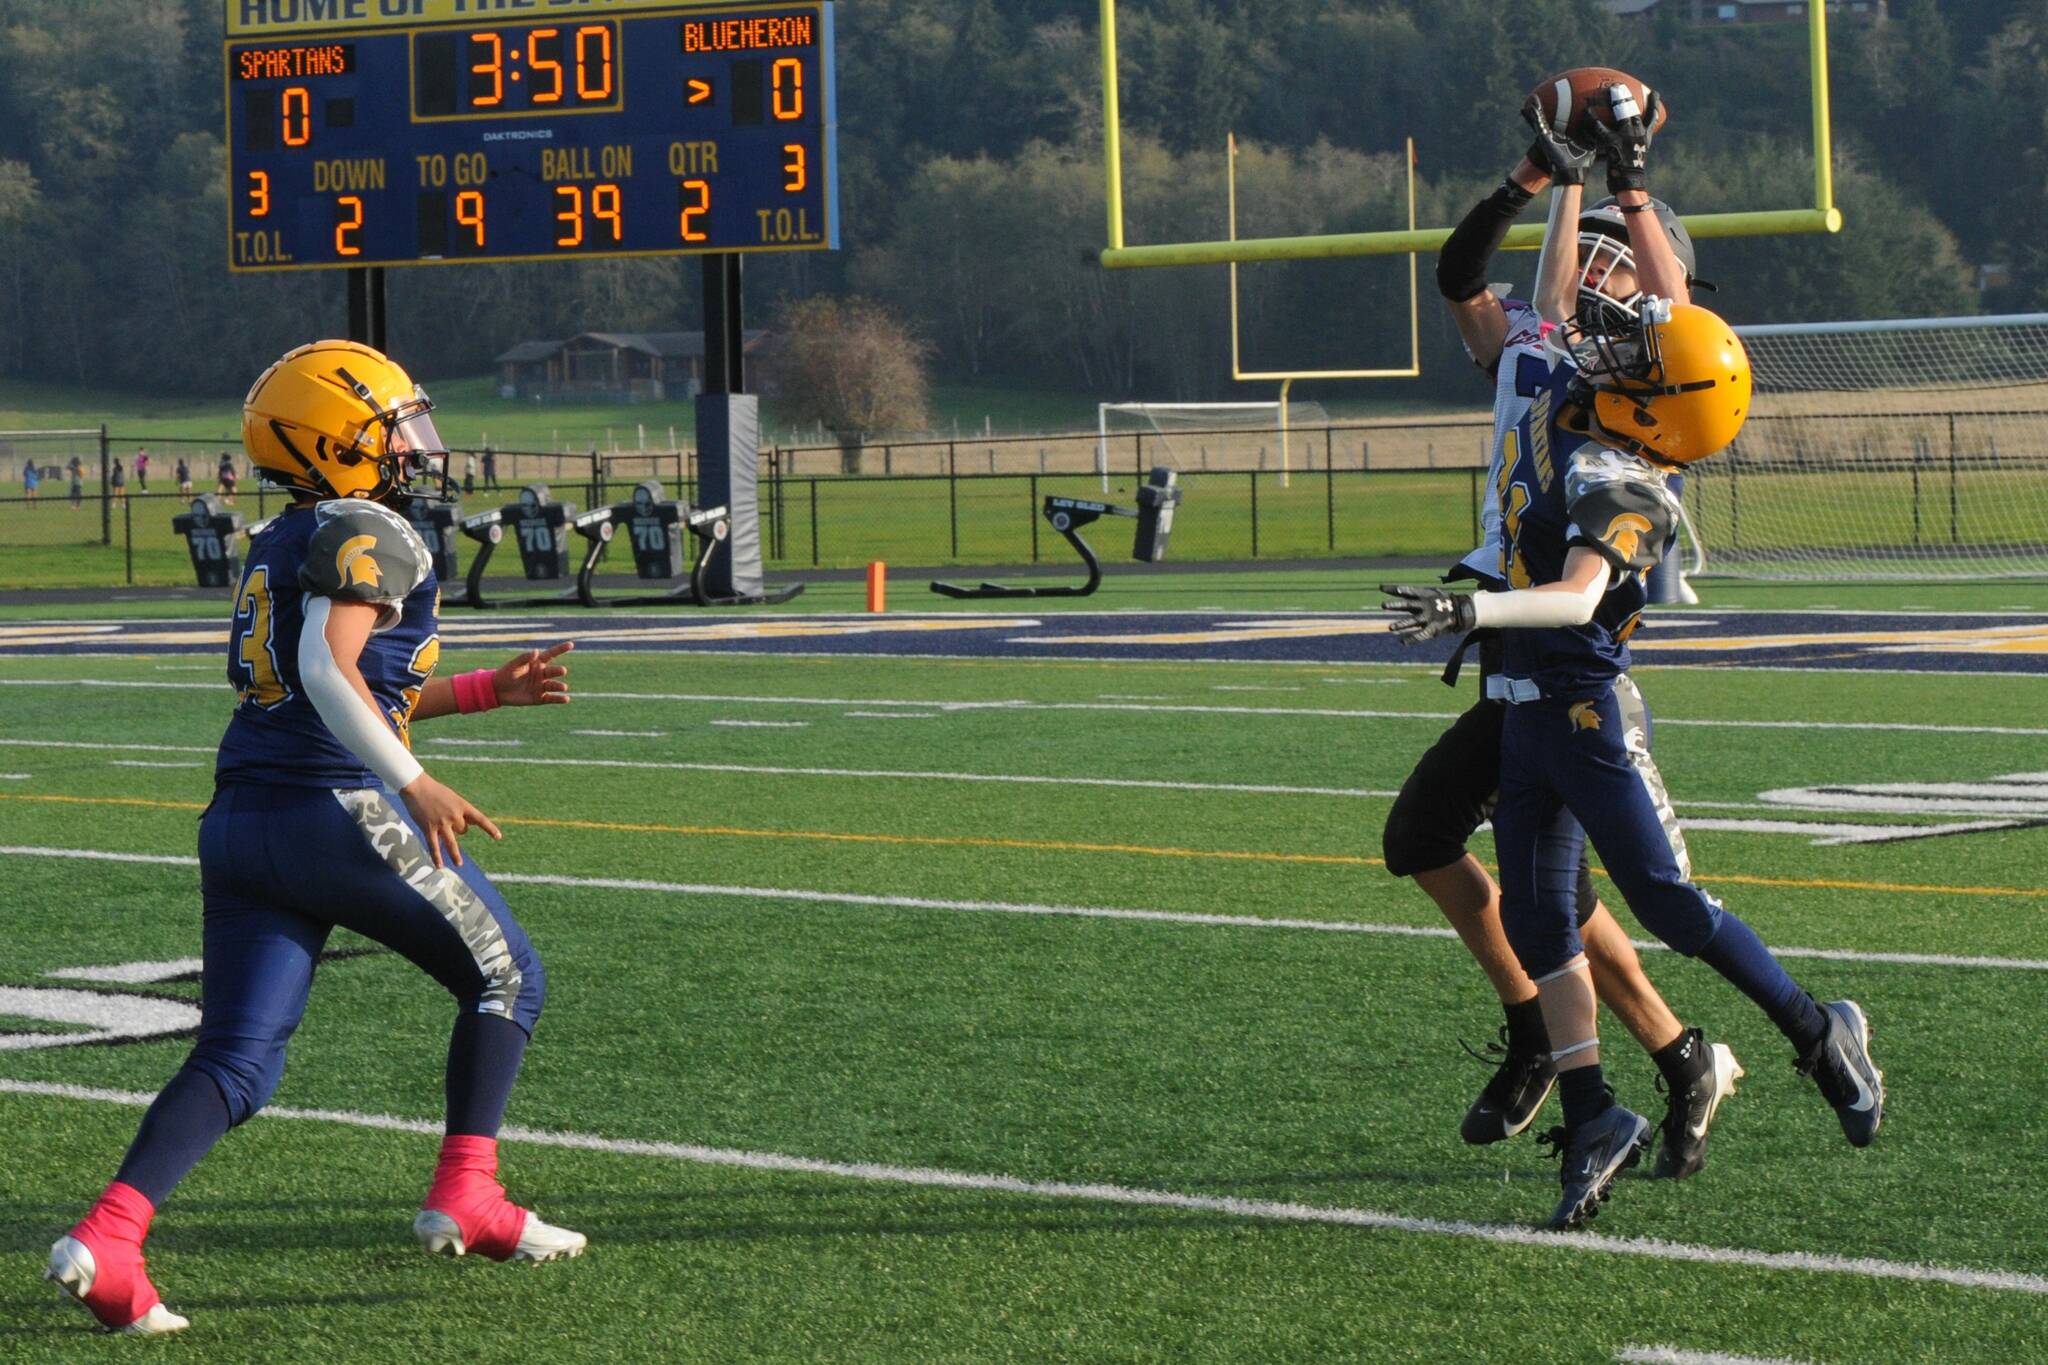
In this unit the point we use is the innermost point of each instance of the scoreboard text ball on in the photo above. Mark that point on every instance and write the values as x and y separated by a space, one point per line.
400 132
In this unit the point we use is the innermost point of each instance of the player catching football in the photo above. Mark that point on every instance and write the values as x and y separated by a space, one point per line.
1451 791
1652 383
321 816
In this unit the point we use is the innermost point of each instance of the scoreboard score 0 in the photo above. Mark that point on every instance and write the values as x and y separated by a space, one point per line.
404 132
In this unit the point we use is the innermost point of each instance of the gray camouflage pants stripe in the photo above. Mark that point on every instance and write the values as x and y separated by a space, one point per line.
400 846
1636 736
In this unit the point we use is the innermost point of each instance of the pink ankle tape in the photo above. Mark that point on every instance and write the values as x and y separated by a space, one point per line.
477 691
114 1232
466 1188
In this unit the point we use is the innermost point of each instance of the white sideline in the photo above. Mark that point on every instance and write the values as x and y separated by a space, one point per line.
1190 917
1318 712
1678 1355
1268 1210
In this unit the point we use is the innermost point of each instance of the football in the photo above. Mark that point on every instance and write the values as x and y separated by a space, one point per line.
1572 98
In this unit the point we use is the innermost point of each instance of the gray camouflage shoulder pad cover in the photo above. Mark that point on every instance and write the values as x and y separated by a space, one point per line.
1619 506
363 552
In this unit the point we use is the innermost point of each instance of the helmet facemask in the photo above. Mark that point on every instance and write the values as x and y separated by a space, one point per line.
412 448
1599 311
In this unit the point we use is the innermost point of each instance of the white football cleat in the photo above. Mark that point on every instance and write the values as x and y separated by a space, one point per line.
538 1241
73 1268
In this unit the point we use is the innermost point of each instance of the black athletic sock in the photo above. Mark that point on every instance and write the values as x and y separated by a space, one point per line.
1584 1092
184 1121
483 1061
1526 1032
1682 1061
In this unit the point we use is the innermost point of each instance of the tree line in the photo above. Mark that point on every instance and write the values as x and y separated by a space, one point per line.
973 204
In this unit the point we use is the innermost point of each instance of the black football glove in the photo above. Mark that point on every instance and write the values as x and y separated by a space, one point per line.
1564 160
1625 145
1427 613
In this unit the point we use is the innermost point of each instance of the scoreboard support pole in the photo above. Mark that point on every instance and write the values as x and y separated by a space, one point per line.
366 307
729 434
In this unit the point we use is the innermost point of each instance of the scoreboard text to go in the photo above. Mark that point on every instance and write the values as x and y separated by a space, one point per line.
660 130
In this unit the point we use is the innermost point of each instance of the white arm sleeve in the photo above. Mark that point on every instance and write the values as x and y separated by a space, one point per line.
353 723
1528 608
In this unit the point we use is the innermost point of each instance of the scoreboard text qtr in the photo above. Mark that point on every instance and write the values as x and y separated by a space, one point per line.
476 130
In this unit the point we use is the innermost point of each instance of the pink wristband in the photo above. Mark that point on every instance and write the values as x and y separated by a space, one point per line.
476 691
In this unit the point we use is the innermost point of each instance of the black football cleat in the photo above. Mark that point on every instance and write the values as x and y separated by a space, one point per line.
1849 1080
1510 1101
1682 1150
1593 1155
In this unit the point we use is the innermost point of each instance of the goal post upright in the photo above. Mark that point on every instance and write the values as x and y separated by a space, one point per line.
1287 377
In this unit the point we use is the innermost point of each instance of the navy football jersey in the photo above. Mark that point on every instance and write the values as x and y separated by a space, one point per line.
349 550
1558 490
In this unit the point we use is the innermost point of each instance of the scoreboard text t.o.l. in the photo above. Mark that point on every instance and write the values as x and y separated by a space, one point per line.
399 132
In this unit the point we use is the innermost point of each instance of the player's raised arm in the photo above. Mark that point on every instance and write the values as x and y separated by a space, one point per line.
1558 272
1461 265
1625 147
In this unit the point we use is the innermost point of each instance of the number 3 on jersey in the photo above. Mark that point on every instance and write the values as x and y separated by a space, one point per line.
422 664
255 643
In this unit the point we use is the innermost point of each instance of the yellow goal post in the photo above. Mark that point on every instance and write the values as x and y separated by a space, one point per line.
1823 216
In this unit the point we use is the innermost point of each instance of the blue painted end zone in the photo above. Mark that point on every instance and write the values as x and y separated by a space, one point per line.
1833 640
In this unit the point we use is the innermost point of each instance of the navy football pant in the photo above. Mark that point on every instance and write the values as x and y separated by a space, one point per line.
1450 794
1591 760
280 868
1577 770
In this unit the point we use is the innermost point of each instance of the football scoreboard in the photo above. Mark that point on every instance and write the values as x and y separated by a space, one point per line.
402 132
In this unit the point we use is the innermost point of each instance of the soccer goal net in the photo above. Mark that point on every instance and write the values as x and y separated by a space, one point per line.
1192 437
1884 450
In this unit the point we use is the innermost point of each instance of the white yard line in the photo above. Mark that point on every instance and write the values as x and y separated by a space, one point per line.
476 743
763 724
622 734
110 745
1678 1355
132 973
894 715
1803 1262
146 763
1823 834
14 777
1187 917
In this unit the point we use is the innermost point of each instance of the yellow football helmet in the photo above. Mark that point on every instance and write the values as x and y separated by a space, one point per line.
1673 390
339 420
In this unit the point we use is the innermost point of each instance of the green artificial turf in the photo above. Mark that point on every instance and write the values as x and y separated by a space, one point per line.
1232 1061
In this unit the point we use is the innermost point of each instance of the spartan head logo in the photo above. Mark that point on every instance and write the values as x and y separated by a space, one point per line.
1584 716
1625 534
354 564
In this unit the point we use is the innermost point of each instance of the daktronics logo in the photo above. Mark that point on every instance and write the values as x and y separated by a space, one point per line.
747 35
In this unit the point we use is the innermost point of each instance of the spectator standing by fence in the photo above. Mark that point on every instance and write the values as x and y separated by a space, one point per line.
142 470
469 473
184 473
31 479
225 478
77 468
490 468
119 482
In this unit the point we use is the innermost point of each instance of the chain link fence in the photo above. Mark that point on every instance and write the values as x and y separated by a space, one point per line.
1407 489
